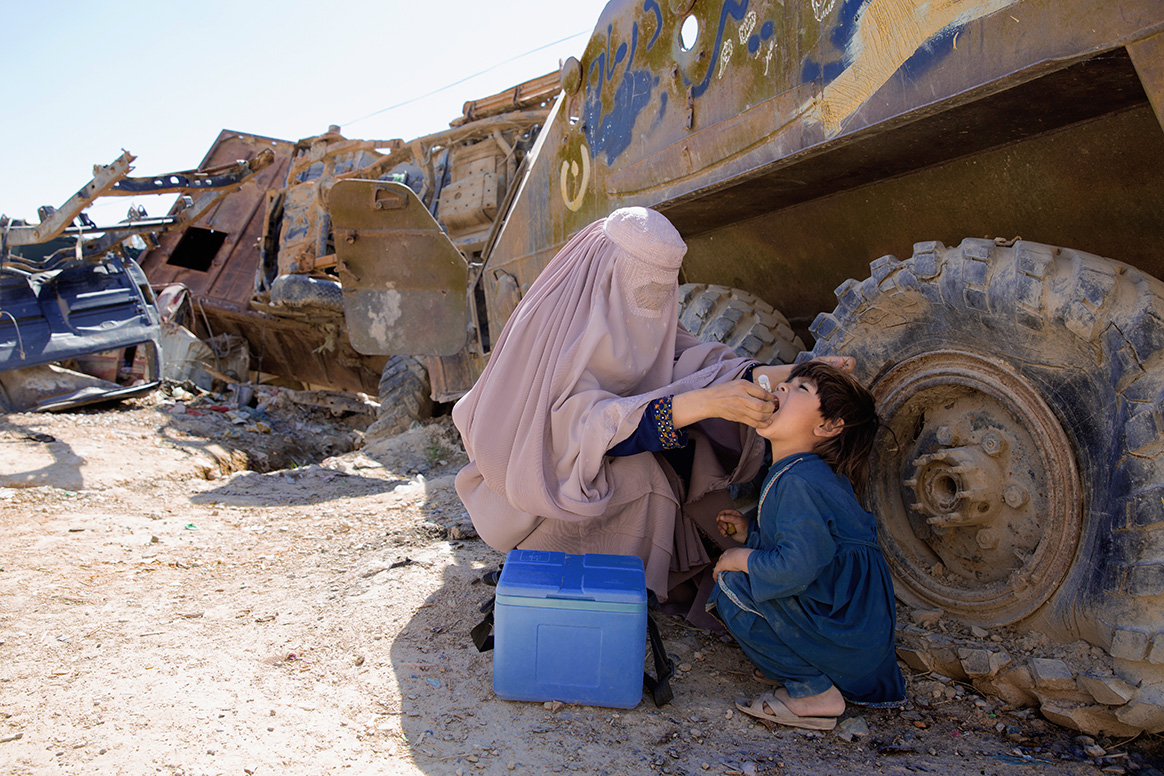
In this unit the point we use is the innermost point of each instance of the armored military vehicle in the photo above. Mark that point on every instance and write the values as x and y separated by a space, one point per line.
1005 160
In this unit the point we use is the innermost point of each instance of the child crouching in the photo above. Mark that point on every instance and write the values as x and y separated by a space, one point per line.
808 597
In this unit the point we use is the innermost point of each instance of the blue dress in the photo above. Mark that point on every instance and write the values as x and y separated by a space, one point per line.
816 607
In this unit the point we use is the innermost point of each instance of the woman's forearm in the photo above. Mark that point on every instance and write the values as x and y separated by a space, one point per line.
690 408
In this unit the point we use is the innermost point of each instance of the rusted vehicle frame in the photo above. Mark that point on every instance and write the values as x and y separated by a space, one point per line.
238 290
88 301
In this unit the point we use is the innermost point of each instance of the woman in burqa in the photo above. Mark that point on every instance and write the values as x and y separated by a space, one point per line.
600 425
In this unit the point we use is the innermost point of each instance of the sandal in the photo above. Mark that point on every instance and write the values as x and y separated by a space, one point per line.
781 715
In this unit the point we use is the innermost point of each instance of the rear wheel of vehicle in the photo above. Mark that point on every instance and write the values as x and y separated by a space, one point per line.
405 395
1022 466
747 324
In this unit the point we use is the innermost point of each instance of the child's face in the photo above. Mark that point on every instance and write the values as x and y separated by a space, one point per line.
797 416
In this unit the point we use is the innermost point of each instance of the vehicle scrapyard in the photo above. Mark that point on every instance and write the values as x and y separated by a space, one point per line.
265 528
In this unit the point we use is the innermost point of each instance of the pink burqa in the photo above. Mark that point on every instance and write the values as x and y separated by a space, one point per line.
593 342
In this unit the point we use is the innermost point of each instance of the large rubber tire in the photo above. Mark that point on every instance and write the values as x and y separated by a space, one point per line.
736 318
1023 481
299 292
405 395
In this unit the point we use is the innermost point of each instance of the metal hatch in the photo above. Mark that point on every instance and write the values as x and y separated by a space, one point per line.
404 283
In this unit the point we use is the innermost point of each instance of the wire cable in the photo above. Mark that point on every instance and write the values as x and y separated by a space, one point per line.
463 80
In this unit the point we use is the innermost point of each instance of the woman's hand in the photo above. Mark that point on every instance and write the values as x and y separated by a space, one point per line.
739 401
732 523
735 559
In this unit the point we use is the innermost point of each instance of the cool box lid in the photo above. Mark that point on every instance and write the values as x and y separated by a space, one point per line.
536 574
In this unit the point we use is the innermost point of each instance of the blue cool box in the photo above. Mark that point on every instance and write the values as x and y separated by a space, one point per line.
570 628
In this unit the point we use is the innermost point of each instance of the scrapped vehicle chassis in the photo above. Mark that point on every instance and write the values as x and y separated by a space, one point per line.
84 302
285 298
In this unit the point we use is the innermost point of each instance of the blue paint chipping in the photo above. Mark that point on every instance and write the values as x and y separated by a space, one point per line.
662 106
840 36
931 53
813 71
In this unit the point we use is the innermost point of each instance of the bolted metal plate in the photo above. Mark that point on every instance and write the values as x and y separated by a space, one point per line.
405 286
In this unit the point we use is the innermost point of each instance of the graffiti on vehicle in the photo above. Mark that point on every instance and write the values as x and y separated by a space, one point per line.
877 38
575 178
609 132
753 40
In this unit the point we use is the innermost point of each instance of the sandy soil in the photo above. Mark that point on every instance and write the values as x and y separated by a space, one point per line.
199 593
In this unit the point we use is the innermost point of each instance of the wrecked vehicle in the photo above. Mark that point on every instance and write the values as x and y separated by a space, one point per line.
262 266
1020 483
78 321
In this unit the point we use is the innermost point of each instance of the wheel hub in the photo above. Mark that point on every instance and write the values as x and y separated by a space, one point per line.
978 494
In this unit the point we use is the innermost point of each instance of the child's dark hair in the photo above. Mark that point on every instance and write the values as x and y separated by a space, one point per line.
842 397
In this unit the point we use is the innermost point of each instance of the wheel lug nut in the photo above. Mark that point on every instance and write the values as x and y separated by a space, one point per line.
992 443
987 539
944 435
1014 496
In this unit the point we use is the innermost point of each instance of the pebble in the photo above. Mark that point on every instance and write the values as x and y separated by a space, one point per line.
1094 750
852 727
749 769
729 714
926 617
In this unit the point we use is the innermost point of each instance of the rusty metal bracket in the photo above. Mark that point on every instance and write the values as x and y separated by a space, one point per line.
193 180
386 199
104 178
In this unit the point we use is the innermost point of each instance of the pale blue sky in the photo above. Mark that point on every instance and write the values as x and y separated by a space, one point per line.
84 80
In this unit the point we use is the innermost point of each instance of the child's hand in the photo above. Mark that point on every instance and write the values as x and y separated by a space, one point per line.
732 523
735 559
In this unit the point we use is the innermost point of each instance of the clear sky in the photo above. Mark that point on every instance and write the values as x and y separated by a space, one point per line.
83 80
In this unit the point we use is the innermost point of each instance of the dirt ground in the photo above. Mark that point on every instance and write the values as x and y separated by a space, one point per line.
187 590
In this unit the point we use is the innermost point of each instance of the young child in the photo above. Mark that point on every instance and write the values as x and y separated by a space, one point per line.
808 597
